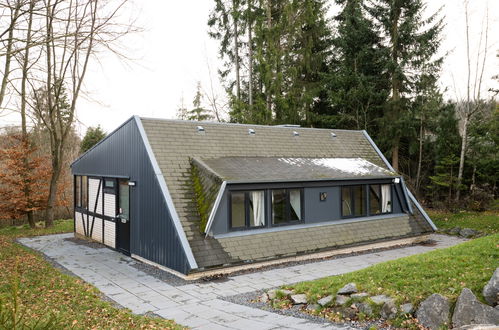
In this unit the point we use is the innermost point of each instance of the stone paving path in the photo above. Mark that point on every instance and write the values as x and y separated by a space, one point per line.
198 305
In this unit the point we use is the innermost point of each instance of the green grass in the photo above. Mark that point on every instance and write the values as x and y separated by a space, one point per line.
414 278
44 290
487 222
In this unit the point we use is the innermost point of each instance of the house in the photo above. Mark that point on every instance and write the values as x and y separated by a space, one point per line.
196 196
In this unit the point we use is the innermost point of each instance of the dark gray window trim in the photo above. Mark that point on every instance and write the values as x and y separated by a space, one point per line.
407 191
307 225
246 210
166 194
288 208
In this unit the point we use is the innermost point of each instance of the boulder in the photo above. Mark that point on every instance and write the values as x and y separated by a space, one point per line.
360 295
324 301
348 289
313 307
407 308
469 311
433 312
491 289
341 300
468 232
455 231
365 308
272 294
299 299
380 299
389 310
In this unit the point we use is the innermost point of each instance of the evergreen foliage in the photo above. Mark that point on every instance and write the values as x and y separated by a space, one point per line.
91 138
198 112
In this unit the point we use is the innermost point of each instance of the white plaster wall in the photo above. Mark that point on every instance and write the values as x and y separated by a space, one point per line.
110 233
97 232
79 218
109 205
94 194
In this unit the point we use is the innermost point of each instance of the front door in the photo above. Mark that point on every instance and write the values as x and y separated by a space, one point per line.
123 218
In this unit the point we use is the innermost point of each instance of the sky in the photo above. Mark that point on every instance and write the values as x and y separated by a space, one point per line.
174 52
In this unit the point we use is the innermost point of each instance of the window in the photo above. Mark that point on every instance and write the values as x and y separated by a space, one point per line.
247 209
109 186
380 199
78 191
286 206
109 183
353 201
84 192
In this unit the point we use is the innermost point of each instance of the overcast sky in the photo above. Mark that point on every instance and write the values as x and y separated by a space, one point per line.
174 52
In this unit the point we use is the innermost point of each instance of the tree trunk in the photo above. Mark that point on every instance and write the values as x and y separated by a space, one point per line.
250 55
420 156
461 159
236 47
8 52
395 106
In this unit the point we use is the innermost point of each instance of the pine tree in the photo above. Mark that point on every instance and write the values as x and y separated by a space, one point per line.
198 112
91 138
413 42
356 81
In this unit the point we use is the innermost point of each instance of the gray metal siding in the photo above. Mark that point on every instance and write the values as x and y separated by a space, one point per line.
153 235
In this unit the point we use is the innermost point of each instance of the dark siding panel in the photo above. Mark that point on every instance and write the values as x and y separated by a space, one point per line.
153 234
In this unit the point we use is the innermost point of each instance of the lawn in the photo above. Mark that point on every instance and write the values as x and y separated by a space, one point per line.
414 278
47 294
487 222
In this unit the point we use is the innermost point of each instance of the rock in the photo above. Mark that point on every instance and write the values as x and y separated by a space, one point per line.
469 310
348 313
313 307
365 308
433 312
455 231
299 299
389 310
324 301
264 298
360 295
286 292
380 299
491 289
341 300
348 289
479 327
467 232
407 308
272 294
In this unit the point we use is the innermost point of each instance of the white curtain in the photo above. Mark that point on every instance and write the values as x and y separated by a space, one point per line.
295 200
386 198
258 199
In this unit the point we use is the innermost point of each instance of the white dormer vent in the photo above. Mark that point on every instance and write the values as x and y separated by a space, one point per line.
333 135
251 131
295 133
200 129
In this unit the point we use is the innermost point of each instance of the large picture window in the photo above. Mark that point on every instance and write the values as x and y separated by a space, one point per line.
380 199
247 209
287 206
353 201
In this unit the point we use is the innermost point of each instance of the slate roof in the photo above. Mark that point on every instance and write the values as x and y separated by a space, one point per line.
176 143
279 169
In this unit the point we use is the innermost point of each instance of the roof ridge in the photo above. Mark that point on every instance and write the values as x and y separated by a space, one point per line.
195 122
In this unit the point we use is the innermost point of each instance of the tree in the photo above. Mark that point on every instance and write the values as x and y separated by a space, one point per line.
413 42
198 112
357 84
91 138
18 177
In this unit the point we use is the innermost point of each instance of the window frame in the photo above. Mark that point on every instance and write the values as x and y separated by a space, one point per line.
109 190
352 197
381 200
247 210
288 208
